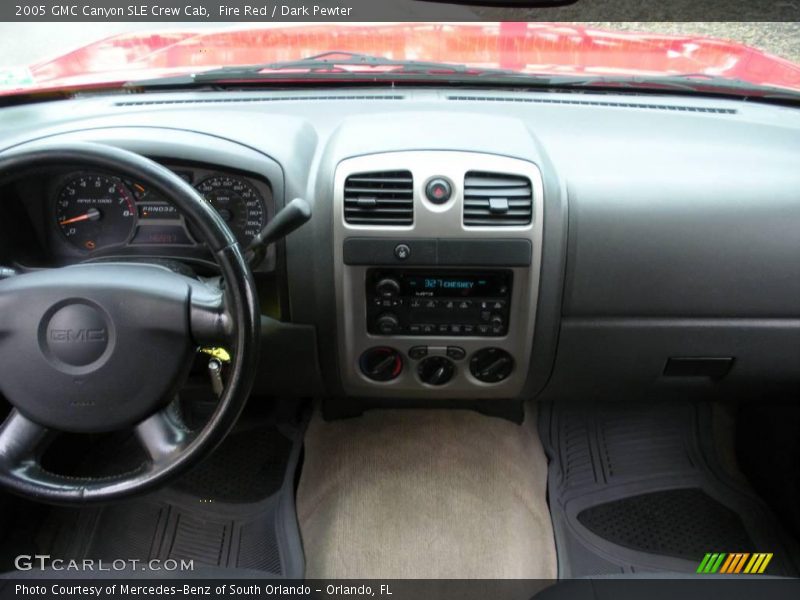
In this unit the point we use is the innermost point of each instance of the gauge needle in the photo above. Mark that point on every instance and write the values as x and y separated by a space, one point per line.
90 215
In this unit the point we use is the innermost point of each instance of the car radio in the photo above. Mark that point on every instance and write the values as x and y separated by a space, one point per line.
438 303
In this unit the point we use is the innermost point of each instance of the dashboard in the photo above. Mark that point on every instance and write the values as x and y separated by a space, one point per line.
474 247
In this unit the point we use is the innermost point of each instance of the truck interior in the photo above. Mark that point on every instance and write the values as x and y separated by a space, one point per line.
423 330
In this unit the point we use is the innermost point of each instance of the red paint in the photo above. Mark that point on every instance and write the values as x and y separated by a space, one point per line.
548 48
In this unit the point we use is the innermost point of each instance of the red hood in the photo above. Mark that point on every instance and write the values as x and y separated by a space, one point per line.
549 48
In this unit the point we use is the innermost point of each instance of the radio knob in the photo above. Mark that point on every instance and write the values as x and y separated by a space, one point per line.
387 323
388 287
497 323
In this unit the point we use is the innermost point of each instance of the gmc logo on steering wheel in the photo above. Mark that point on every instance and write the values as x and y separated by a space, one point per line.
78 335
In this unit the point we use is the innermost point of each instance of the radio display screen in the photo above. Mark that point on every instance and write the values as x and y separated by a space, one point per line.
437 284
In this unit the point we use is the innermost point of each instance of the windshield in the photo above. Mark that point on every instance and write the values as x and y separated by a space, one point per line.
71 55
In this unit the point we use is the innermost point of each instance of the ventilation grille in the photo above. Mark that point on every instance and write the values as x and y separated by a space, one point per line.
607 104
497 199
380 198
258 99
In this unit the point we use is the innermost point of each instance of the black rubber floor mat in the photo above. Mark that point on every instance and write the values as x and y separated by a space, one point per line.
236 509
249 466
636 488
680 523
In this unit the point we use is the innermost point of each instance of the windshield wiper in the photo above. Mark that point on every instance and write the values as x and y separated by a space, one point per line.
697 83
329 64
348 66
338 62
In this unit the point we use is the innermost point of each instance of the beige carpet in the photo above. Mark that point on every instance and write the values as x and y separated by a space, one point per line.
425 494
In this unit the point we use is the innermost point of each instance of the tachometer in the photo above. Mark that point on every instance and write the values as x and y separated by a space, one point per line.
95 210
238 203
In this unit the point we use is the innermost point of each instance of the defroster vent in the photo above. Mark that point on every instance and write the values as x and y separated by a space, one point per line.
380 198
497 199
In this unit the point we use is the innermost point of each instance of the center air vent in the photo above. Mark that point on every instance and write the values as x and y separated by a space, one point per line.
497 199
380 198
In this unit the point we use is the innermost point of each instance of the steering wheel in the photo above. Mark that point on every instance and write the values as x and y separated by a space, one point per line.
103 347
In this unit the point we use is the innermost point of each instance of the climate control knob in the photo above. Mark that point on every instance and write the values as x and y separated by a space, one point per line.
381 363
436 370
491 365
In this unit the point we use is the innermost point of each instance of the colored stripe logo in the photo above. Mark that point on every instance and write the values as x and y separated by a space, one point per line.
735 563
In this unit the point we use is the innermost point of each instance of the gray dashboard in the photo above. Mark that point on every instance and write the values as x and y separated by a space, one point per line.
669 224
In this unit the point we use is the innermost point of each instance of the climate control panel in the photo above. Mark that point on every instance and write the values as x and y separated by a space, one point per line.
438 303
436 365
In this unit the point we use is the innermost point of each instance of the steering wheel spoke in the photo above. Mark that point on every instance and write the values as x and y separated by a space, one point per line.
164 435
22 440
209 318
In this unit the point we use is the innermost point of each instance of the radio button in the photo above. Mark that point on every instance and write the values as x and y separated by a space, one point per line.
430 304
402 251
483 329
456 353
444 328
455 329
415 329
497 324
465 304
427 328
469 329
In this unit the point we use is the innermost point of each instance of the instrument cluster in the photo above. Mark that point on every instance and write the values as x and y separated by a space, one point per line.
94 212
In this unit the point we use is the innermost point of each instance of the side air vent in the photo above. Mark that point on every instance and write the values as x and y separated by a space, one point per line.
497 199
380 198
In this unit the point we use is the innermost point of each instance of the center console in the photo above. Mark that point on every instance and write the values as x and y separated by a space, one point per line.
438 257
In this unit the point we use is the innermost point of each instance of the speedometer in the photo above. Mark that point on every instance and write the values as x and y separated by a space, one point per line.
95 210
238 203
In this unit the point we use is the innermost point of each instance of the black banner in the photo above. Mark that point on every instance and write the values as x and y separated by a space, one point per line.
685 588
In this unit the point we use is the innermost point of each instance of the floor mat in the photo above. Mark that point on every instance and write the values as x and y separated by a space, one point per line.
425 494
682 523
637 489
235 509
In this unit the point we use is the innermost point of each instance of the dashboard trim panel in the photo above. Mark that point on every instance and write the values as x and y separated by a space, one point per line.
438 222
